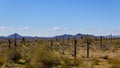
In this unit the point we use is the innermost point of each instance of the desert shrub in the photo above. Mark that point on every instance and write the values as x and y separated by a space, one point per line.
2 61
22 61
96 61
106 57
14 55
115 66
115 61
70 63
44 57
28 65
105 47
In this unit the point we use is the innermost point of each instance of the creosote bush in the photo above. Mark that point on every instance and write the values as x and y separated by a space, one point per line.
44 57
14 55
2 61
71 63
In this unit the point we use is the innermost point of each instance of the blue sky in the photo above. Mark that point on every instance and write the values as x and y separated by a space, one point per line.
56 17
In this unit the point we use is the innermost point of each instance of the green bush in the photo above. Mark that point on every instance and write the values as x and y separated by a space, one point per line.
14 56
96 61
106 57
44 57
70 63
21 61
2 61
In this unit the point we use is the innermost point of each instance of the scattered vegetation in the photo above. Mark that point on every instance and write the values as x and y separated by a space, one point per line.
71 52
45 57
115 61
14 56
2 61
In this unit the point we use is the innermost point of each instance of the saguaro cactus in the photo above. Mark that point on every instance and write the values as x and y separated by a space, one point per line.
15 41
88 49
51 43
81 37
56 39
9 43
101 42
111 38
23 40
88 41
75 46
63 41
63 47
68 39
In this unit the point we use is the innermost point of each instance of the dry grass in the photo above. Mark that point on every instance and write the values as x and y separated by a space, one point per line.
97 56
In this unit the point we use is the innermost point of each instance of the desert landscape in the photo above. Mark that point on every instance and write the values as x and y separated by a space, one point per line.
59 33
65 51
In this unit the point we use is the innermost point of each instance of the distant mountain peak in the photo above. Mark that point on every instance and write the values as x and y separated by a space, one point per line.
65 36
79 35
15 34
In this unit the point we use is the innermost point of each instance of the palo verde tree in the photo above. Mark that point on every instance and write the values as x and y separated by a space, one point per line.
88 42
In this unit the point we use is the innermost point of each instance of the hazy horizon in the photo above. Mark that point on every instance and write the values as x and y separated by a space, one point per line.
60 34
48 18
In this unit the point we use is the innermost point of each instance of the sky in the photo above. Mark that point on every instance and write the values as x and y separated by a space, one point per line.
57 17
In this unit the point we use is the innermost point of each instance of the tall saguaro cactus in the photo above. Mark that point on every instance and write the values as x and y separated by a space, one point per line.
62 45
88 49
68 39
23 40
51 43
63 41
15 41
101 42
9 43
75 46
111 38
88 41
56 39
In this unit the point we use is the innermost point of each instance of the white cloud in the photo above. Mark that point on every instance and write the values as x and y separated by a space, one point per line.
6 27
2 27
13 28
56 28
24 28
116 31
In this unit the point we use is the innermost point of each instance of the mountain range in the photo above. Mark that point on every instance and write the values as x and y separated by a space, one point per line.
79 35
